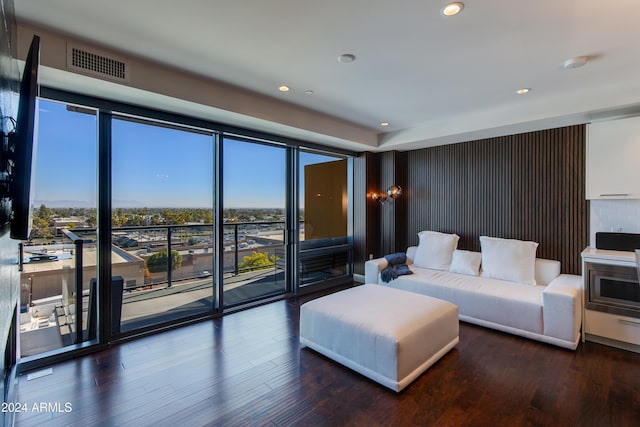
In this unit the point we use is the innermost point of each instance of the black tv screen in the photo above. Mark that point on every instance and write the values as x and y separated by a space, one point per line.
22 145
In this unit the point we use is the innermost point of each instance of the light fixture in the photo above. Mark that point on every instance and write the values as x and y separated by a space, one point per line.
346 58
523 90
384 124
284 88
452 9
576 62
393 192
308 92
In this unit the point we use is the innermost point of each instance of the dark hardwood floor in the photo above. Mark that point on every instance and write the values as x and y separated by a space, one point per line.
247 368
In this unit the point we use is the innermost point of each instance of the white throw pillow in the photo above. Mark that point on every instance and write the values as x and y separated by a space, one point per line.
466 262
435 250
509 259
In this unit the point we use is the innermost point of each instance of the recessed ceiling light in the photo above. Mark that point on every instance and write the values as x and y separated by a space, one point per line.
452 9
346 58
384 124
576 62
523 90
308 92
284 88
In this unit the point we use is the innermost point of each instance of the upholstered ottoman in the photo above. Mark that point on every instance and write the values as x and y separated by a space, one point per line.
386 334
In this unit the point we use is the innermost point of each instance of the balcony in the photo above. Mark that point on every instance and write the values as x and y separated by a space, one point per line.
155 292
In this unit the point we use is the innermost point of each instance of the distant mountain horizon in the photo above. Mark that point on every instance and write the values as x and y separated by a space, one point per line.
127 204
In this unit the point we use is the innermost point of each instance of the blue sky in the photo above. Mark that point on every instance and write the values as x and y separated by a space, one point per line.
152 166
64 158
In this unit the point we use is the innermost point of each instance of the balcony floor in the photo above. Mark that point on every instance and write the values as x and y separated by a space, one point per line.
152 306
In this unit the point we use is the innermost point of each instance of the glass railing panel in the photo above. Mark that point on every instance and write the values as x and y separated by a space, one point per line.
55 293
323 260
255 266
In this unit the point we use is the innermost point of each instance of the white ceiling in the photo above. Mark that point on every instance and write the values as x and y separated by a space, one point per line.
434 79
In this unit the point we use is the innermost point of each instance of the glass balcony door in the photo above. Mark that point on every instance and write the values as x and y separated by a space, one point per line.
324 254
162 223
254 220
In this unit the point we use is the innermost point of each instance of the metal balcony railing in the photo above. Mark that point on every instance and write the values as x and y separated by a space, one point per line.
78 242
238 238
171 237
319 261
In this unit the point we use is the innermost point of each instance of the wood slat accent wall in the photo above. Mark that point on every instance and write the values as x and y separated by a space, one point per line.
392 170
366 224
528 186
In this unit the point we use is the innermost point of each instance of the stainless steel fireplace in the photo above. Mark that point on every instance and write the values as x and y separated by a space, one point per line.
613 289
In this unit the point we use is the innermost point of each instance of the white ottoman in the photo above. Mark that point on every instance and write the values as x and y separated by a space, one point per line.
386 334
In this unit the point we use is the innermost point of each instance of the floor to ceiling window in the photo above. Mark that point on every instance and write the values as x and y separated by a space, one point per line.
254 216
59 262
170 219
162 223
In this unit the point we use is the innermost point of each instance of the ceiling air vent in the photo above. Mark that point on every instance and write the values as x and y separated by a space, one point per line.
97 64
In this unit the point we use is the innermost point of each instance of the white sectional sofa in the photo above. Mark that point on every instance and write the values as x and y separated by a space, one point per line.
547 310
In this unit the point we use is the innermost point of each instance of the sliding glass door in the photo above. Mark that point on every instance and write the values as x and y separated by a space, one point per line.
162 258
254 216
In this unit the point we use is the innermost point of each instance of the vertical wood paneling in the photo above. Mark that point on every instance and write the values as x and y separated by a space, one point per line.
387 211
528 186
367 220
392 214
359 211
400 204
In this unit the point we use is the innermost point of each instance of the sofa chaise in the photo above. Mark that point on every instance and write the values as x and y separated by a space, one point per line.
504 287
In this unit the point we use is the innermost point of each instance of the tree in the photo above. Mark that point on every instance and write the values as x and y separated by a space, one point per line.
44 213
157 262
41 228
91 219
118 220
257 261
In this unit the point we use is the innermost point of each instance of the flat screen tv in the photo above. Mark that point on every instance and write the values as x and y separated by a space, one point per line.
21 146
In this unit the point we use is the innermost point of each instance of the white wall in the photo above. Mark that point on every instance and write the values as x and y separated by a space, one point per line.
614 215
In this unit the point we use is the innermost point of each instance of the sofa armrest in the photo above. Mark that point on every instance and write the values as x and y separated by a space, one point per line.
562 307
372 269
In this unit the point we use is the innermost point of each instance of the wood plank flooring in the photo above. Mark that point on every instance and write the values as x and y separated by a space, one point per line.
247 368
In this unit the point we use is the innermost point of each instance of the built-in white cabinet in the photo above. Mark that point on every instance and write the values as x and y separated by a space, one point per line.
613 159
610 316
619 328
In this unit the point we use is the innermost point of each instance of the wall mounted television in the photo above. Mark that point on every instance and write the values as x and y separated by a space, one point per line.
20 147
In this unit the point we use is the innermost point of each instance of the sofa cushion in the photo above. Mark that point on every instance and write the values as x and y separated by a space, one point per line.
546 269
509 259
465 262
505 303
435 250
